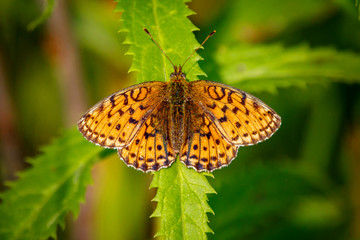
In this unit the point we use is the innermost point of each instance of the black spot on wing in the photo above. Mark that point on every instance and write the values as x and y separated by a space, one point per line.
223 119
224 108
133 121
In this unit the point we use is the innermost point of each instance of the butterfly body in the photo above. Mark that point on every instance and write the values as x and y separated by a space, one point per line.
201 122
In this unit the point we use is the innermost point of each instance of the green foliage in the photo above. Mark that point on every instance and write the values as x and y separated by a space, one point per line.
297 185
168 23
50 4
253 21
268 67
46 192
182 202
252 200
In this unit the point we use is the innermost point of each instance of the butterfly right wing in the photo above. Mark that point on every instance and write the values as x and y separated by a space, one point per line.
241 118
220 119
114 121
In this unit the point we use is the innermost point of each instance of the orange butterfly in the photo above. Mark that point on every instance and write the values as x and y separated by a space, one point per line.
202 122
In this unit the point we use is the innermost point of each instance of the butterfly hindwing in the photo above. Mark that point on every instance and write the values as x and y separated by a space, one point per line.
151 148
203 147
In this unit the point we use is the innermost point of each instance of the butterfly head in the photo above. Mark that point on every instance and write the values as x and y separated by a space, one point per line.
177 75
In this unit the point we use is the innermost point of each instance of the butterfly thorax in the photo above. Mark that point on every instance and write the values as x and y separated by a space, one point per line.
177 88
176 93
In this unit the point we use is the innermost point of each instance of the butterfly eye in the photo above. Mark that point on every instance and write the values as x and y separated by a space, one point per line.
172 75
183 75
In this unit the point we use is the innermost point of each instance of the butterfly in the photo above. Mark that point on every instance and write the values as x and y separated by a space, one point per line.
203 123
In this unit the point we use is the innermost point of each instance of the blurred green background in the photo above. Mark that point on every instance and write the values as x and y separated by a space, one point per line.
303 183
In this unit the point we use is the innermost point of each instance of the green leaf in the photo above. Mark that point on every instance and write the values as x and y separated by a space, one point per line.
181 196
357 4
268 67
50 4
45 193
168 23
182 202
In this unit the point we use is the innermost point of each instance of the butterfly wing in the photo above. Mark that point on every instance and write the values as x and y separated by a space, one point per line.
114 121
219 119
151 148
204 148
241 118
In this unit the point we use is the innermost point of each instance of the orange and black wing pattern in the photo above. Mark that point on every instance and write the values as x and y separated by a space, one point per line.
222 119
204 148
151 148
114 121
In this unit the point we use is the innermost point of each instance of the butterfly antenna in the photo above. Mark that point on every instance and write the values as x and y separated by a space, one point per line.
147 31
212 33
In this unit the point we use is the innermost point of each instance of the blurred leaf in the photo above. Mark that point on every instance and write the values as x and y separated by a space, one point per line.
120 202
264 198
268 67
96 29
255 21
45 193
50 4
168 23
357 4
325 105
317 212
182 202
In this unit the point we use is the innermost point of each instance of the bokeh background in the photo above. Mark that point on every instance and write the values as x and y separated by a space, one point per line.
303 183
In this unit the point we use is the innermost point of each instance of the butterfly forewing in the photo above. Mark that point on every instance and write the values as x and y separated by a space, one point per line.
114 121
